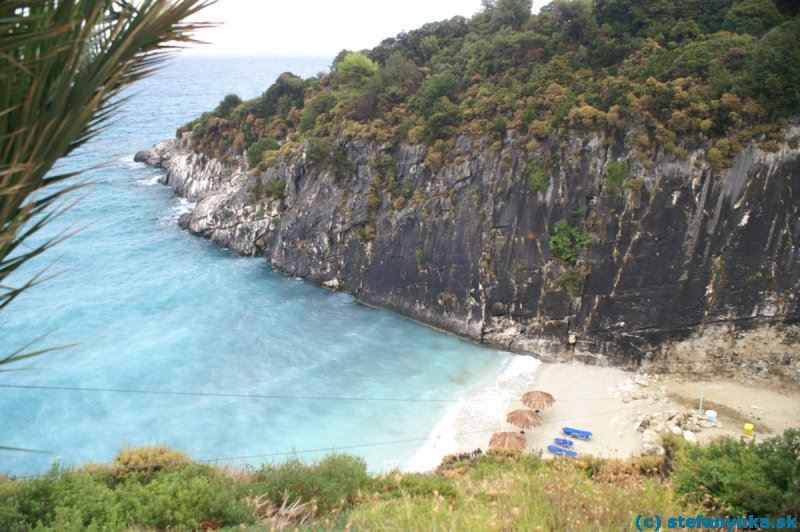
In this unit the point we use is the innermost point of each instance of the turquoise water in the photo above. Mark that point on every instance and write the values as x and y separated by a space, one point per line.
156 308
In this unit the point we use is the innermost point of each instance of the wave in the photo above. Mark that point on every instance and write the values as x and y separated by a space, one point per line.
179 207
469 423
127 161
149 182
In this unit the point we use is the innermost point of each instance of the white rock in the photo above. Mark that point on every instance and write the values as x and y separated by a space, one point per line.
688 435
676 430
651 443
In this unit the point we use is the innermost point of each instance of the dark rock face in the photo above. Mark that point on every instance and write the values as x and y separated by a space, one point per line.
680 252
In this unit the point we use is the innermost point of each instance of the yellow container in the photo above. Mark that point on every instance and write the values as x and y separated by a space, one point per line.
749 429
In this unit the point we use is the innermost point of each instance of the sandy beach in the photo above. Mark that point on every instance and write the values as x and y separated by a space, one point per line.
608 402
587 398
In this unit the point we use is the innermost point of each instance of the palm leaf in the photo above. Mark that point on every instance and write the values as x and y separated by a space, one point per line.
24 450
63 66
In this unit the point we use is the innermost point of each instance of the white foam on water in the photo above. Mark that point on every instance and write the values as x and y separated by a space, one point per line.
469 423
127 161
183 206
179 207
149 182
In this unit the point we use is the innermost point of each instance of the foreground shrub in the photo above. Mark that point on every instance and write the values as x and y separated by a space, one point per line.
146 460
415 485
67 500
332 482
744 477
183 499
519 491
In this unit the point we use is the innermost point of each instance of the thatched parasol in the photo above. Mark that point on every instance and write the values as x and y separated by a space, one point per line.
537 400
524 419
507 440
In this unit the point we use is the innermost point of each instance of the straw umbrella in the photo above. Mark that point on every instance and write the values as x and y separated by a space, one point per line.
524 419
507 440
537 400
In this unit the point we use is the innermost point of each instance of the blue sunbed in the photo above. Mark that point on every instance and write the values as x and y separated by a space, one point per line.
561 451
564 442
575 433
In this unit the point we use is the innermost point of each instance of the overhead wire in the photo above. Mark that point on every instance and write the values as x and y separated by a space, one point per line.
333 448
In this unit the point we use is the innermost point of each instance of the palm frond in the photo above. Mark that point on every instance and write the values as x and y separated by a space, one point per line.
24 450
63 67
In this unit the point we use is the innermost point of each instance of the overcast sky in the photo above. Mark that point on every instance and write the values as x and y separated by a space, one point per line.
317 27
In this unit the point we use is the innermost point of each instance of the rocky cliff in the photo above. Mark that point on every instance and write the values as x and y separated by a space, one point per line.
686 265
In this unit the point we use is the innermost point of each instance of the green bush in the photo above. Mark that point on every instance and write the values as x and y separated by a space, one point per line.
669 67
287 92
228 104
434 89
319 104
355 69
318 150
538 179
332 482
276 189
183 500
617 175
776 69
744 477
147 460
255 152
566 242
572 280
444 117
69 500
414 485
752 16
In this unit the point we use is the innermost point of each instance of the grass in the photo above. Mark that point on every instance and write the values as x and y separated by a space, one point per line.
493 491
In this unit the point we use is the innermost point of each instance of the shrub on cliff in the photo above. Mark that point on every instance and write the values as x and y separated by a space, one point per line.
617 175
776 69
287 92
567 241
434 89
228 104
445 116
319 104
574 65
318 150
255 152
752 16
355 69
538 179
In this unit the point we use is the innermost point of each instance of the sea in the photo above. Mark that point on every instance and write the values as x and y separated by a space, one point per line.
175 341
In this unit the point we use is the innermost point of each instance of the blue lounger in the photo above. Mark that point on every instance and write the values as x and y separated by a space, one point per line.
561 451
564 442
575 433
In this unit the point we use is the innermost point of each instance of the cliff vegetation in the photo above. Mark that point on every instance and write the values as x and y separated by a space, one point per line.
716 69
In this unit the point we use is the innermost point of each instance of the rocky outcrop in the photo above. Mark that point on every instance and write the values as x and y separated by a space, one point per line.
682 251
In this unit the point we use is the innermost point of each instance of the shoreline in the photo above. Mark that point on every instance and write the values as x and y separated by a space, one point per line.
587 397
469 423
618 406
